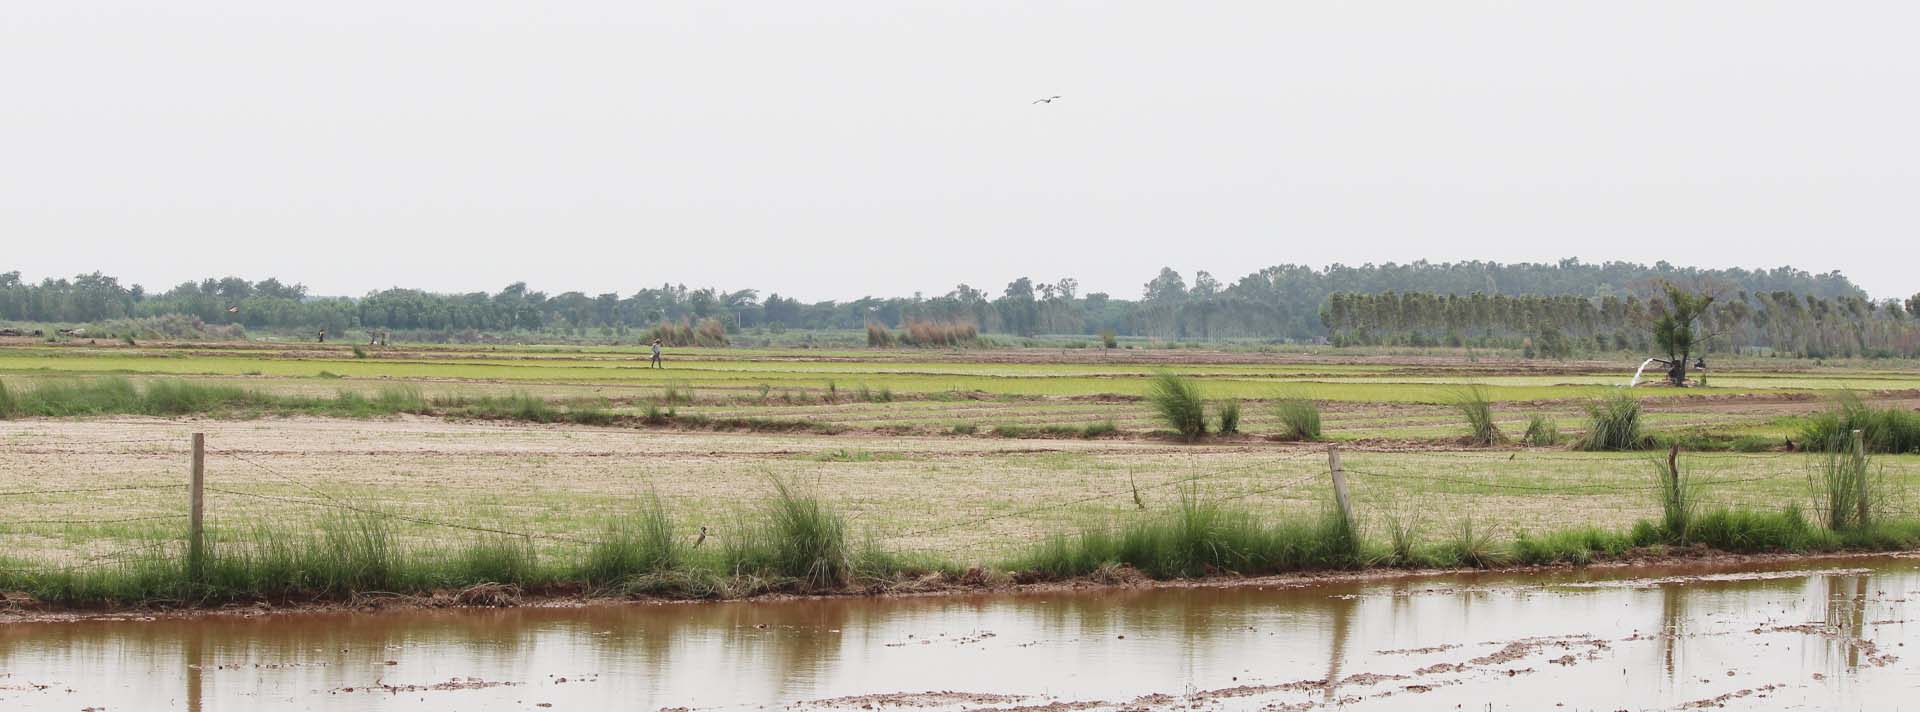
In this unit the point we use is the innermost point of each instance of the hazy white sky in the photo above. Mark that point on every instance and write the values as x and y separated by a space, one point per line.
832 149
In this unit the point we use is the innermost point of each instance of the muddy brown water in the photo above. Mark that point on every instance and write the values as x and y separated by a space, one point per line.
1830 634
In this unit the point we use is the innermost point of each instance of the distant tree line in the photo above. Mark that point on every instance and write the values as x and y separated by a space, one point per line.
1284 302
1745 322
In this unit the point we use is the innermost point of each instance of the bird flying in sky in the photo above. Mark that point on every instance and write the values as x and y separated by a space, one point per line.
1047 100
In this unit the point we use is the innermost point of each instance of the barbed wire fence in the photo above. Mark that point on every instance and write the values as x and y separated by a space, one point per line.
1359 486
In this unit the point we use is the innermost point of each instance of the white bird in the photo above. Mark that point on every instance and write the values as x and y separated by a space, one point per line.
1047 100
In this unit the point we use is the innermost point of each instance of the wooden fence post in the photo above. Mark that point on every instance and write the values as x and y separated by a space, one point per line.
196 497
1339 481
1860 472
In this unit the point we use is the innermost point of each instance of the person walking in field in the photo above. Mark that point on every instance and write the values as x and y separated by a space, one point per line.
655 363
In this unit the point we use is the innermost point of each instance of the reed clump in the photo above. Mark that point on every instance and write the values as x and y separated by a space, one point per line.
1299 419
1613 424
1177 401
1885 430
1476 407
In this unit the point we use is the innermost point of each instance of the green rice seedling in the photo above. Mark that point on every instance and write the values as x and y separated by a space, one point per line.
1471 546
1885 430
1299 419
1177 401
1230 417
1542 431
639 544
1613 424
1476 407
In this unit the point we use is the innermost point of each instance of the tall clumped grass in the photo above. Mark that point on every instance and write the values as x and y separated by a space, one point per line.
115 395
709 332
1177 401
799 538
637 545
1613 424
1845 489
1198 537
1229 417
1299 419
1886 430
1542 431
939 333
878 337
1473 546
1676 496
1476 406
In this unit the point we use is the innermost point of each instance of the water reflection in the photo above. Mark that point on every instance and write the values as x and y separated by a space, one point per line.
1672 636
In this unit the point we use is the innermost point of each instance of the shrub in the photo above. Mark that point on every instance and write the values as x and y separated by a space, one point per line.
1476 407
1613 423
1109 339
1299 419
1229 417
1177 401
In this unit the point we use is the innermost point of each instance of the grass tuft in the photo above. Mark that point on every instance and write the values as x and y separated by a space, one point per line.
1613 424
1177 401
1229 417
1476 406
1299 419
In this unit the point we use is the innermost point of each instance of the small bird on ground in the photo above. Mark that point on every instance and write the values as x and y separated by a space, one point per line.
1047 100
702 538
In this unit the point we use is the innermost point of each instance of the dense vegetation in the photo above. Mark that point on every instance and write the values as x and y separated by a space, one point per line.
1282 302
1743 321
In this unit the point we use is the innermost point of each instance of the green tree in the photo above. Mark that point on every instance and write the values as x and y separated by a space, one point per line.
1676 329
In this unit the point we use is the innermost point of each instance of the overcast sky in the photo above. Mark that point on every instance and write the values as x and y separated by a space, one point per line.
829 150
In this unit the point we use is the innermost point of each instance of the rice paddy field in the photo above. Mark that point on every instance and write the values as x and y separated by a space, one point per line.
973 456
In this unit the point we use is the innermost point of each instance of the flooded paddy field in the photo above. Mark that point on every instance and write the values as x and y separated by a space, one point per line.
1816 634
